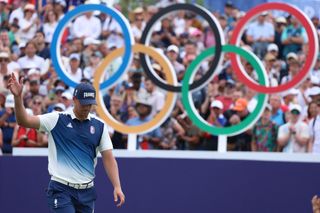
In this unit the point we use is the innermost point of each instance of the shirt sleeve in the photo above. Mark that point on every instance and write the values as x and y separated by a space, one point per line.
305 133
48 121
283 131
105 141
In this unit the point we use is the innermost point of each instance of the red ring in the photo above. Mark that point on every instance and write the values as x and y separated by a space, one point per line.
310 58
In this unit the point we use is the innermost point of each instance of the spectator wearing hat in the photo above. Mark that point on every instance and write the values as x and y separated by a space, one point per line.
66 99
228 12
173 55
314 94
138 23
90 47
34 90
239 112
74 69
260 34
273 74
7 123
31 58
28 24
59 8
289 97
18 13
129 100
150 140
293 37
294 135
92 26
280 24
191 139
264 133
50 24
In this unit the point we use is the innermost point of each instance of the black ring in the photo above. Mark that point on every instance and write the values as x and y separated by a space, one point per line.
218 48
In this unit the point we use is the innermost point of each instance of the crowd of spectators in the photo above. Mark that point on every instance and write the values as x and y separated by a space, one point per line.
289 123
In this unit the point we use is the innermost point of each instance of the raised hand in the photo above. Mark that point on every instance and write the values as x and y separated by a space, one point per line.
15 86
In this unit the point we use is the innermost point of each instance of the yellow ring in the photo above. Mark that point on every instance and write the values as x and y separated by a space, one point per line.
170 98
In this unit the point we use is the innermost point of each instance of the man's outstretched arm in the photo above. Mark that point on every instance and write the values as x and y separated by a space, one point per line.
22 117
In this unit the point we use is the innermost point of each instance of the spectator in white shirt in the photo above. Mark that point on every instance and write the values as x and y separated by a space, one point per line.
260 33
314 128
50 24
294 136
74 70
31 57
28 25
87 25
18 13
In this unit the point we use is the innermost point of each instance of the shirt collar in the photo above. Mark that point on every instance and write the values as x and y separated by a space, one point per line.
73 116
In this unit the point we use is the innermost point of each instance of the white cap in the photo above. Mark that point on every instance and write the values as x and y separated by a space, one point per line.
74 56
4 55
173 48
61 2
66 95
216 103
4 1
273 47
264 13
9 101
281 20
60 105
22 45
292 55
314 79
291 91
33 71
29 7
314 91
295 107
87 41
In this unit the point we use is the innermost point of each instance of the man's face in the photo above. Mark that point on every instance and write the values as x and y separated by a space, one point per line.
74 64
143 110
149 86
82 111
30 50
275 102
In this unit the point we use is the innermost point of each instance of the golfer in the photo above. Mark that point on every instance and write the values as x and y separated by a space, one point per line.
75 137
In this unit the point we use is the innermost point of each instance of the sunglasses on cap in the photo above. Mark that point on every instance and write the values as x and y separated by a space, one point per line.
295 112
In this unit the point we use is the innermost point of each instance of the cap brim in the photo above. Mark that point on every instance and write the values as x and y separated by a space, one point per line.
88 102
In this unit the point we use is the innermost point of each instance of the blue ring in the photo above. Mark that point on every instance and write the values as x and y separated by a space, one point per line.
128 41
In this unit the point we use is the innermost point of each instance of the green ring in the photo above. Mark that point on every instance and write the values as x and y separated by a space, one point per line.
247 122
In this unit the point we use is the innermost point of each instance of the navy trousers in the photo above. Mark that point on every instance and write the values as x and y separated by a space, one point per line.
65 199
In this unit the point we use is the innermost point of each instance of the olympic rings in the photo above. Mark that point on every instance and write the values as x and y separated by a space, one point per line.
56 42
172 86
310 58
218 35
248 121
170 99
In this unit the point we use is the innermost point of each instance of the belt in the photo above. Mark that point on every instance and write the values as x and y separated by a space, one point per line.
74 185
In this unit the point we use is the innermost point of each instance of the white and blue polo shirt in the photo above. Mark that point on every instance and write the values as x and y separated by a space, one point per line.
73 145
